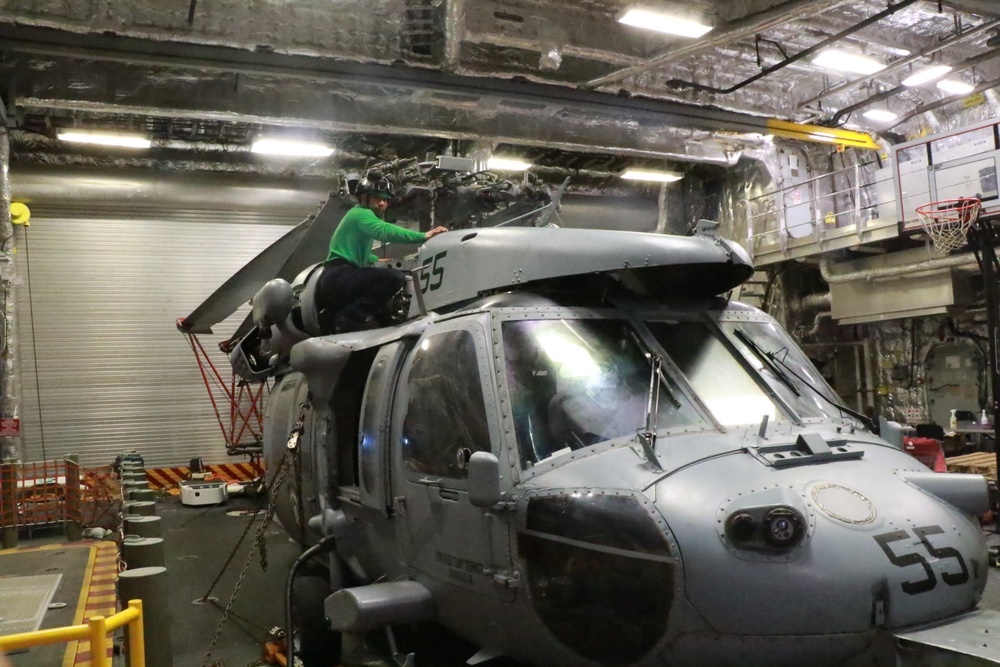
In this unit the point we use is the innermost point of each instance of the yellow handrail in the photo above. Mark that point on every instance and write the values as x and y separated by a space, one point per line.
96 630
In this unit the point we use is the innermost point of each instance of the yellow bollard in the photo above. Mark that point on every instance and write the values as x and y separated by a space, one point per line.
136 639
98 642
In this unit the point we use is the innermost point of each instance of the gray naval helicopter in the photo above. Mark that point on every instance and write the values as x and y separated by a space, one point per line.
573 449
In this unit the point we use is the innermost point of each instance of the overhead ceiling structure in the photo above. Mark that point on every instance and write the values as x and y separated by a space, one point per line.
384 78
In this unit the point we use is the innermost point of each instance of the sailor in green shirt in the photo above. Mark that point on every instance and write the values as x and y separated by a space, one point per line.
351 286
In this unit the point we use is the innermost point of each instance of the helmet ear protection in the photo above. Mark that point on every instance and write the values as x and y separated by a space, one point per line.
374 183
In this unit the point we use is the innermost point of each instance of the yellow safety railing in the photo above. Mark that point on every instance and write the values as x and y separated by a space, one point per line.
96 630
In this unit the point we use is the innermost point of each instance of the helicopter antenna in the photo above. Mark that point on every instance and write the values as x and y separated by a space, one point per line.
762 431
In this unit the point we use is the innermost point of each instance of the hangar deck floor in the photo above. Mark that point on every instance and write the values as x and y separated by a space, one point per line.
197 543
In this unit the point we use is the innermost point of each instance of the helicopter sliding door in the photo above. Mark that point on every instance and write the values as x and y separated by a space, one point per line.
443 413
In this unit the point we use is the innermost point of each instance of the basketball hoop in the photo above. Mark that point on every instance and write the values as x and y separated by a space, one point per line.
947 222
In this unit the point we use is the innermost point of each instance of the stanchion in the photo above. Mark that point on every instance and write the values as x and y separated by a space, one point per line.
142 526
134 485
140 507
140 494
149 584
139 552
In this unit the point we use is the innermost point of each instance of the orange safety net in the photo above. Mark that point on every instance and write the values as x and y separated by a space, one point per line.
100 497
50 492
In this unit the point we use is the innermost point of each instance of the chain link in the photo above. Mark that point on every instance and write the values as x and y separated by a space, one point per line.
232 554
279 478
292 451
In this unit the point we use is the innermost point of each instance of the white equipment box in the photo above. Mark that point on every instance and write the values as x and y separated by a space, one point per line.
202 492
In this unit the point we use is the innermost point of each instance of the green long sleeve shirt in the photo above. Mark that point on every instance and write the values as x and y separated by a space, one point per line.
359 229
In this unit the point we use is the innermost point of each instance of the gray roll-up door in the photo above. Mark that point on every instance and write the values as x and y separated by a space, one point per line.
103 367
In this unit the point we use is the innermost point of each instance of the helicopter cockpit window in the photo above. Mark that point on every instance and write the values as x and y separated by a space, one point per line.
573 383
445 420
720 381
785 367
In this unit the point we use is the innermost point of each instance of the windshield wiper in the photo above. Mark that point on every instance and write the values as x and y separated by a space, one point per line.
647 436
865 421
657 363
776 364
767 359
657 382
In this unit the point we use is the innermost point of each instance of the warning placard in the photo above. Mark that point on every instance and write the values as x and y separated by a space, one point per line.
10 428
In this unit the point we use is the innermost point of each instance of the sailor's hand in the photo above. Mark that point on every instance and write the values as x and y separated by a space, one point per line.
434 232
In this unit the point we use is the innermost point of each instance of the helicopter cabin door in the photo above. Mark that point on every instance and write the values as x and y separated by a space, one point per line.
444 412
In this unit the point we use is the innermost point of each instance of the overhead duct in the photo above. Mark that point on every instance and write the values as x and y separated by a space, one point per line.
895 286
94 73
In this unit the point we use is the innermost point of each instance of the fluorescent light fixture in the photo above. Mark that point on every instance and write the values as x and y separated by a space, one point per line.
926 75
105 138
291 148
880 115
649 175
953 87
507 164
663 22
845 61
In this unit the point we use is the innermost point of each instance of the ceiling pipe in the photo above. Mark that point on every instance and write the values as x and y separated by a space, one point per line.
899 64
931 106
815 301
874 18
733 32
531 44
335 95
826 268
892 92
454 33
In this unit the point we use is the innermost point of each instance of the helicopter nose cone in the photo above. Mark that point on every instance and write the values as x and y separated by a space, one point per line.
816 550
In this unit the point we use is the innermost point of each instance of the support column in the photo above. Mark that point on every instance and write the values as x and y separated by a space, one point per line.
10 393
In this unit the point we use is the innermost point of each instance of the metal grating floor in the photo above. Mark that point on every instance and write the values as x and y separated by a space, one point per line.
24 601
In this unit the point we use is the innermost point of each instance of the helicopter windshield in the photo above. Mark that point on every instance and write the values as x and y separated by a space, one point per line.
785 367
720 380
574 383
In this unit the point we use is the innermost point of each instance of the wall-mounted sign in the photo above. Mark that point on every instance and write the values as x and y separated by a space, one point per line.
10 428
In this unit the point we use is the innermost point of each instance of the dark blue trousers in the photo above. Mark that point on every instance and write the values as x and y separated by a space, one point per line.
352 293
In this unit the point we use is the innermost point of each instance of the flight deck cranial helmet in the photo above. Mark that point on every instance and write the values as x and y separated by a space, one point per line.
375 184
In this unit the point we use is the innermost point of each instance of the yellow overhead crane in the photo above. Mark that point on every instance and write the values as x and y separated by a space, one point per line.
820 134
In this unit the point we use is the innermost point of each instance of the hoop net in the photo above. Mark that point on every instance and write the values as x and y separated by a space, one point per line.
947 222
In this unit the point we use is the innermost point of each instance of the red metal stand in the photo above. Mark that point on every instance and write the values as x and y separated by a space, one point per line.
244 426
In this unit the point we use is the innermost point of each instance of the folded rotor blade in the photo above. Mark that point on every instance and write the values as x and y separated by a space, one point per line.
305 244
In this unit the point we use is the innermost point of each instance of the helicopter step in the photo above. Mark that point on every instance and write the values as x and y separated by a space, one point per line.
355 611
965 641
375 605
